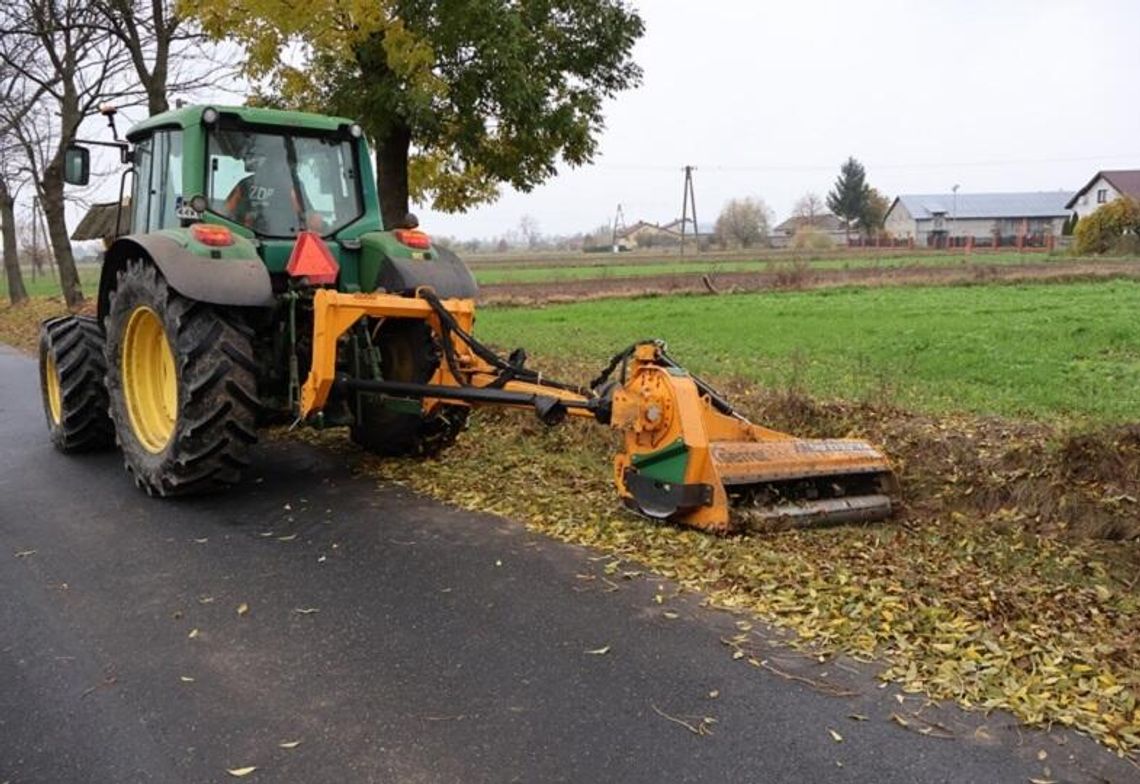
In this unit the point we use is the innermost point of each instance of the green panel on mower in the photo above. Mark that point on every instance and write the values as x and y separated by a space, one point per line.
667 464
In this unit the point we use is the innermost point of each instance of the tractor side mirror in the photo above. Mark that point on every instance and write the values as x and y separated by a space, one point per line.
76 165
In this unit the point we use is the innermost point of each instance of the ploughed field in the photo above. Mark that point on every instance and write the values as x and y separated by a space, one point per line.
540 278
494 270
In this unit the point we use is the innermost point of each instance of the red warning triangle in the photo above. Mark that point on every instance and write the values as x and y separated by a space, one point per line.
312 259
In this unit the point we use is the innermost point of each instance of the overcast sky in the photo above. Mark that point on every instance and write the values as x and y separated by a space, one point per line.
767 99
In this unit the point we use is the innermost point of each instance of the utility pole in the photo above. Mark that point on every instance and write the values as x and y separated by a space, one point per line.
689 197
954 217
619 225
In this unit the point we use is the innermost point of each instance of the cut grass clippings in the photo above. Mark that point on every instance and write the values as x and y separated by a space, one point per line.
961 597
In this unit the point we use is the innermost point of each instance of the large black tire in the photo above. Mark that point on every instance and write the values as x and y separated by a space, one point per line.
408 352
71 384
213 415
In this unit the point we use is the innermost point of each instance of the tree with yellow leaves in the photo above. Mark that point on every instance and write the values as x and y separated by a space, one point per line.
459 97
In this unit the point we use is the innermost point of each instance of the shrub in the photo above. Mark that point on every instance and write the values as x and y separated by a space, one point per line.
810 238
1101 231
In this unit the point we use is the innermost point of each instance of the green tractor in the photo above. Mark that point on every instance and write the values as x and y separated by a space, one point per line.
203 327
258 283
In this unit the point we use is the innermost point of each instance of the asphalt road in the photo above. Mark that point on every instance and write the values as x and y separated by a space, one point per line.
403 641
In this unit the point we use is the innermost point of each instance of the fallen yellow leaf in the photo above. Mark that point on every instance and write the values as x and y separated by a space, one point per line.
835 735
185 679
242 608
289 744
241 772
193 633
599 651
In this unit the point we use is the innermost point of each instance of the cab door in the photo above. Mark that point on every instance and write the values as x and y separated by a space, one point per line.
158 181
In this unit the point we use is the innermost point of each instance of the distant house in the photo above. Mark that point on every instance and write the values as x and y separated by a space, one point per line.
646 235
1103 188
933 219
654 235
825 223
691 228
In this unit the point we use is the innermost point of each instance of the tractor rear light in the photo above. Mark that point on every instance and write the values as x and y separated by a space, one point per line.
214 236
311 259
413 238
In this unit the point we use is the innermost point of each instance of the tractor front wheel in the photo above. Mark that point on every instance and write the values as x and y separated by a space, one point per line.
182 385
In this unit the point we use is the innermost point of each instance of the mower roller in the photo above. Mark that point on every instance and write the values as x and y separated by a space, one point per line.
270 289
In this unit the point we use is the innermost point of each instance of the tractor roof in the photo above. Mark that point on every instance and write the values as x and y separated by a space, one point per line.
189 116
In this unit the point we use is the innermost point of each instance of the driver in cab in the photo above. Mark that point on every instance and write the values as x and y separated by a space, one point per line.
267 200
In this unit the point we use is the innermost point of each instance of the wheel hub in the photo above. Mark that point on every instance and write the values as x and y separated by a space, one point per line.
54 395
150 380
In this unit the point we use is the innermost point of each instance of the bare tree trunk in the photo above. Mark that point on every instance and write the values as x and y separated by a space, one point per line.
392 174
16 291
51 198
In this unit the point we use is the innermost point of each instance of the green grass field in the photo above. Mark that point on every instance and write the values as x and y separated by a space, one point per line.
487 273
1053 352
48 285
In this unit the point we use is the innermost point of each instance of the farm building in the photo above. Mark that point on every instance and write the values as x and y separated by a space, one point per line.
1103 188
937 218
825 223
99 222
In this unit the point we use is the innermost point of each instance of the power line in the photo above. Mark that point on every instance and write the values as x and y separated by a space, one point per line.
798 167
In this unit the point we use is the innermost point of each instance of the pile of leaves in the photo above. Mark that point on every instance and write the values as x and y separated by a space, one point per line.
20 324
984 589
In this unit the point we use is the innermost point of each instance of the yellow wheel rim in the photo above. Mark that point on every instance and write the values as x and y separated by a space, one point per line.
150 382
54 395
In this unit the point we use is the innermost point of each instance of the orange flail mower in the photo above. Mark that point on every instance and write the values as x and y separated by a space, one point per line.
688 457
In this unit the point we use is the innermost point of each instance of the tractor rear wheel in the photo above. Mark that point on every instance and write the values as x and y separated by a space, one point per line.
407 353
182 385
71 383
